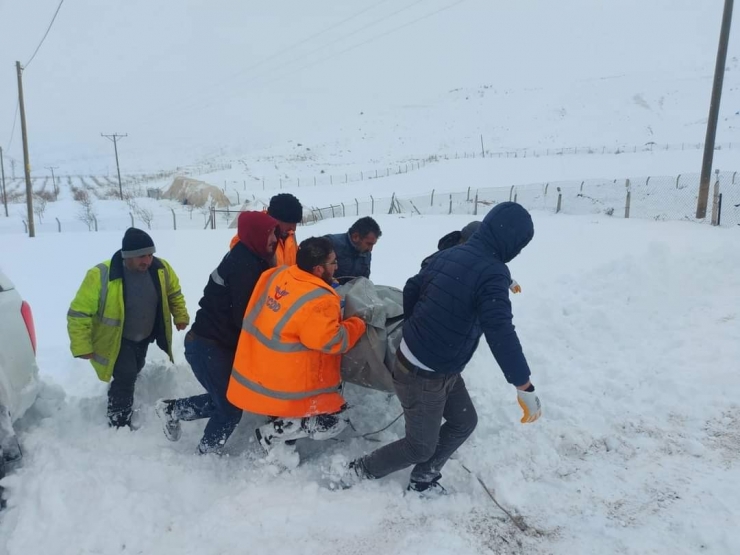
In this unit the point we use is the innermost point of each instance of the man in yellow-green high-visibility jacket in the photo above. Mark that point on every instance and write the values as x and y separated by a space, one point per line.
124 304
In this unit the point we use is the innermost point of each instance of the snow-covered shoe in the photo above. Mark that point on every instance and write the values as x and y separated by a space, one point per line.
427 490
351 475
170 423
280 430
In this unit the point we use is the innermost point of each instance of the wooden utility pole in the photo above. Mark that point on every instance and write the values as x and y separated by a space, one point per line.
53 181
114 137
26 159
719 74
2 173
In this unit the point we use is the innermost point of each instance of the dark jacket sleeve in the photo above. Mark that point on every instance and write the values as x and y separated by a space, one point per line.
241 277
366 269
495 317
411 292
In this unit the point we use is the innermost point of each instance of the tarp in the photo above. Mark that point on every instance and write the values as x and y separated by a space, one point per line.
381 306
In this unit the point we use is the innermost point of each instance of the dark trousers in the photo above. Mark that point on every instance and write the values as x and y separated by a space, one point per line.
211 364
129 363
427 398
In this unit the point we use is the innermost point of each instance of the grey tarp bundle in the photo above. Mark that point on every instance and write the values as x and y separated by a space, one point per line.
381 306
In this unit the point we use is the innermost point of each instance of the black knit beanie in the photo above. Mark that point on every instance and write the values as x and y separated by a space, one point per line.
286 208
136 242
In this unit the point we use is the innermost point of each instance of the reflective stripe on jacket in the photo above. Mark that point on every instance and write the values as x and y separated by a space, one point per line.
95 317
288 358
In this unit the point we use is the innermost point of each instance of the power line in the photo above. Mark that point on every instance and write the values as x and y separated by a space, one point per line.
12 130
45 34
334 55
193 100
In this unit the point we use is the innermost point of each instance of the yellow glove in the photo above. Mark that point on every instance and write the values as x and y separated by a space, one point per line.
530 404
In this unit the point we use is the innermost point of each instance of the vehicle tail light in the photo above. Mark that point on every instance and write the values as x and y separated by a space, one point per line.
28 319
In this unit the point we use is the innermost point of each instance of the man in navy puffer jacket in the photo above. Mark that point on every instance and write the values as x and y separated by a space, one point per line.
461 294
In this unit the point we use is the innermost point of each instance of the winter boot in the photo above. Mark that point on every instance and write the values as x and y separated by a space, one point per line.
427 490
165 410
280 430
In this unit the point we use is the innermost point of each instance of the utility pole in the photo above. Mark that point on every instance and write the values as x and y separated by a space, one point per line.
53 180
2 173
114 137
12 168
26 159
719 74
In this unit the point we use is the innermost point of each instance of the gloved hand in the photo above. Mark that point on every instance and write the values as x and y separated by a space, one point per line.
530 404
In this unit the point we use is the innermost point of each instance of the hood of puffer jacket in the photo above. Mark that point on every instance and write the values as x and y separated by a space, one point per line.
505 231
253 229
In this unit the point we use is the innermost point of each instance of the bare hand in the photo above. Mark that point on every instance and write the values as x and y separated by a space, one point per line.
181 327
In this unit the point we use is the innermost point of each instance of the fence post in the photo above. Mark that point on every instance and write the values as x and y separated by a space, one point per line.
281 182
299 181
468 199
357 208
719 210
238 200
59 224
431 203
343 210
450 212
647 181
475 207
393 204
346 179
372 205
376 174
174 219
627 202
560 199
677 180
314 181
546 186
96 222
515 195
362 176
511 192
715 204
263 183
733 177
331 180
582 182
132 219
332 210
245 184
25 226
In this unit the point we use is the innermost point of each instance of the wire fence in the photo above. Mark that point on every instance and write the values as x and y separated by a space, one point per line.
651 197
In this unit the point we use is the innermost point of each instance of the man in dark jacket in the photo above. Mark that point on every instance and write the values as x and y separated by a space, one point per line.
210 344
462 294
354 249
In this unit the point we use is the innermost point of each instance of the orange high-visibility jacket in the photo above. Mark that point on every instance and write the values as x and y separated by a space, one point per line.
285 250
289 352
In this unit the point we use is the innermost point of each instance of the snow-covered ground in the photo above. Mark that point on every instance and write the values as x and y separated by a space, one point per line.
632 327
632 330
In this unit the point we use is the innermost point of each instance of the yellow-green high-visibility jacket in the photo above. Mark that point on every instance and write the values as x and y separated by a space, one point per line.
95 317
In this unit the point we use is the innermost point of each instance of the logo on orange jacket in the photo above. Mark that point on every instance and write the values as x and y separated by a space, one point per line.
280 293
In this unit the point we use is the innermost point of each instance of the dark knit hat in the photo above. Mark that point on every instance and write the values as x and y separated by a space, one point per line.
136 242
469 229
285 208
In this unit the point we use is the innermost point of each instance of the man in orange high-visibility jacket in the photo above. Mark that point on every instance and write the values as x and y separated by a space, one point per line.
289 352
288 211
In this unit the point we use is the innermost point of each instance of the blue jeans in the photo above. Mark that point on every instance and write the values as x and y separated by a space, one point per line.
211 364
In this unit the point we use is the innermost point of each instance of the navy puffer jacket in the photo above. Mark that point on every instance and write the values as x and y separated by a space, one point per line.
464 293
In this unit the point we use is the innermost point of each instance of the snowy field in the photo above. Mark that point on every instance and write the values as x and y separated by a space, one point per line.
632 331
